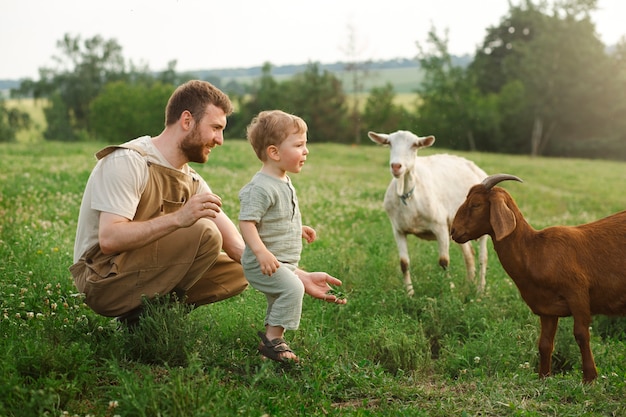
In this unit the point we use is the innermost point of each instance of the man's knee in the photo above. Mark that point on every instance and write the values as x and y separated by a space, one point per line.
210 235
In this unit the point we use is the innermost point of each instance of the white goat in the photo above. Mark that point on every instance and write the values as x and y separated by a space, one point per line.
560 271
423 197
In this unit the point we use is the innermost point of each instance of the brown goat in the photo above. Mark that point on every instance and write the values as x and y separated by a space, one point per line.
560 271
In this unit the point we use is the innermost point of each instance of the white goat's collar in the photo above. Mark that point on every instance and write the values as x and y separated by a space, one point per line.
406 196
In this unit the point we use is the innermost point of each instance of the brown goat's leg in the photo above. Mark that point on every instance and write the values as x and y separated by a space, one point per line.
546 344
581 333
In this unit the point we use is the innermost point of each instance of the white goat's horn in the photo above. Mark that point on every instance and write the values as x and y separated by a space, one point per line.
492 180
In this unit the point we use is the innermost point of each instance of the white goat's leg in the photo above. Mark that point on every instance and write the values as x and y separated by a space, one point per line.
482 262
405 262
442 233
470 264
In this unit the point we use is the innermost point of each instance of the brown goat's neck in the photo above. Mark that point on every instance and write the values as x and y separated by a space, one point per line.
513 250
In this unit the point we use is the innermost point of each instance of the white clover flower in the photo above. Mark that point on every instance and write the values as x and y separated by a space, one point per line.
477 359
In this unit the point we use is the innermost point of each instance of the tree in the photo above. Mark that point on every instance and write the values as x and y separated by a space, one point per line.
12 120
125 111
314 95
357 70
58 122
562 70
318 97
266 93
517 27
382 115
82 69
452 107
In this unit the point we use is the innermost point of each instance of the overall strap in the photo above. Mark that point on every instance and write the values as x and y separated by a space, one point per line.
109 149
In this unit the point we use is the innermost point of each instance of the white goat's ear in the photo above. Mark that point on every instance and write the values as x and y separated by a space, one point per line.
502 219
380 138
426 141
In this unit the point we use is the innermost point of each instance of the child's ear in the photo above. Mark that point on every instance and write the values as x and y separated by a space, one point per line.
272 152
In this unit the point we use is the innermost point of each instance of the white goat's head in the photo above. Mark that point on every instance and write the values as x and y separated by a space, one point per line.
404 146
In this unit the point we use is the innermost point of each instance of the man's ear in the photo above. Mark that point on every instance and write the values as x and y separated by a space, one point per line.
272 152
186 120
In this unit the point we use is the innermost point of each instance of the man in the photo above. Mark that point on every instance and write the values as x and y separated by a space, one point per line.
150 225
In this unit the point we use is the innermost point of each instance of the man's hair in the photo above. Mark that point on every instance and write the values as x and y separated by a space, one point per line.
271 127
195 96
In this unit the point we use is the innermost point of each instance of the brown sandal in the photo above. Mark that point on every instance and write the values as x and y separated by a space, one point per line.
274 349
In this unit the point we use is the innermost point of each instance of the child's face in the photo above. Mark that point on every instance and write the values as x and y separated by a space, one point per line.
293 152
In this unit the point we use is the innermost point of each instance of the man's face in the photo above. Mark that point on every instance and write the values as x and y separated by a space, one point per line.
204 135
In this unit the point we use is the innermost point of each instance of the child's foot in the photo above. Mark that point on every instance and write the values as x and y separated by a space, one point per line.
276 349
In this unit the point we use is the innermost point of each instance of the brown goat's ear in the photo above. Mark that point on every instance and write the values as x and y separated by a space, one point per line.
501 217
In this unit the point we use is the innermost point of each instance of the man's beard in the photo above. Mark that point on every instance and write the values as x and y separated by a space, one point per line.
192 147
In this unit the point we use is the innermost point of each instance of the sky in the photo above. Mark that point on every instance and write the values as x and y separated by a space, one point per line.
209 34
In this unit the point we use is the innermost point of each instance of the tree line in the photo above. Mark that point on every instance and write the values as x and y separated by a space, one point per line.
541 83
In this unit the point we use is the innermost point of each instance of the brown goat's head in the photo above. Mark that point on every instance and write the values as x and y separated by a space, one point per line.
485 211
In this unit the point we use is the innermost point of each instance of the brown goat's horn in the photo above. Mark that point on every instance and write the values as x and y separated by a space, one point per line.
492 180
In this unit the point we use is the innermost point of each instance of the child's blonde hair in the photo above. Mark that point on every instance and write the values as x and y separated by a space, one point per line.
271 127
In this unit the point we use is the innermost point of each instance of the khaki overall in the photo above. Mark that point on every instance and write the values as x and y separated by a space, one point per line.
188 261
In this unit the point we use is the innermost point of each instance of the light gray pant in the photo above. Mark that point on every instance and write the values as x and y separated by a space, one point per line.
284 292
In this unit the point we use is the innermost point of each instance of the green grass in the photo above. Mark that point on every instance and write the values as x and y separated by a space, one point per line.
445 351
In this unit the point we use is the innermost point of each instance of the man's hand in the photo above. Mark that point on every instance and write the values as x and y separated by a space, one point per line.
206 205
318 285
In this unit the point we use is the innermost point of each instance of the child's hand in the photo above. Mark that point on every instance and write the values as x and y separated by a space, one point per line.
268 262
308 233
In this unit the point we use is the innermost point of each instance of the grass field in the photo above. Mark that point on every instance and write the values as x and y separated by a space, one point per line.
446 351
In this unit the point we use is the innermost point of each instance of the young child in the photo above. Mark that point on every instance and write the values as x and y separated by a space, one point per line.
271 226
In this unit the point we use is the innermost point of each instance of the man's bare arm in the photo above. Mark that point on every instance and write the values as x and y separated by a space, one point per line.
119 234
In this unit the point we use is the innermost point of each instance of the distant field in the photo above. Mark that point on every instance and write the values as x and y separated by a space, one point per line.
404 80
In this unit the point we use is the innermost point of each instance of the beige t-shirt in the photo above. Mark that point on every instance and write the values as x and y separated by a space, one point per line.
115 186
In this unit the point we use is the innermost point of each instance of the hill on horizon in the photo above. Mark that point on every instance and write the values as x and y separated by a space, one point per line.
403 73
